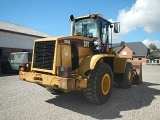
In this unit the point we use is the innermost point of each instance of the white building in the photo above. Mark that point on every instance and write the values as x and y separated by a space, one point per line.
16 38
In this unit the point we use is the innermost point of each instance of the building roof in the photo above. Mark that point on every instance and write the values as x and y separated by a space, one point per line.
5 26
117 47
138 48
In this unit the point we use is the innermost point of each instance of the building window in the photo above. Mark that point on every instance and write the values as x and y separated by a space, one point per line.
147 61
124 53
139 58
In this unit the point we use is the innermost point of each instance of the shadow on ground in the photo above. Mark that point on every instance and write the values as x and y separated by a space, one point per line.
136 97
10 73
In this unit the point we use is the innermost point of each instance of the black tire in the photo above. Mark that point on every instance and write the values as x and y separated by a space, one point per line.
127 78
99 84
54 91
4 68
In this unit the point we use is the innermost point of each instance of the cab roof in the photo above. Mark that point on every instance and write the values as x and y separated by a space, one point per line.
93 16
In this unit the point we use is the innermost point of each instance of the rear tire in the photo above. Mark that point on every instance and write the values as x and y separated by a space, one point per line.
125 80
99 85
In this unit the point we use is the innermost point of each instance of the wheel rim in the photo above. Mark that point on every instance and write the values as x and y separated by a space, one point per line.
129 75
105 85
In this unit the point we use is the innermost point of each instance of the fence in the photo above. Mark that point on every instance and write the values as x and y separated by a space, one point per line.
153 62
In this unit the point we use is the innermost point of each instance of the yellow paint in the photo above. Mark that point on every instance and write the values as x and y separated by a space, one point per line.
98 57
66 55
120 65
129 75
84 51
62 56
106 83
84 65
48 80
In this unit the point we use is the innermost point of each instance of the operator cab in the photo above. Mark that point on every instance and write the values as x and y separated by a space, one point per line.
94 26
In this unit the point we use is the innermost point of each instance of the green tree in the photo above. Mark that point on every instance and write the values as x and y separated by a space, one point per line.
151 57
153 47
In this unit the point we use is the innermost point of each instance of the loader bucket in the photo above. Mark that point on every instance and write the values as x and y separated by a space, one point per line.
137 73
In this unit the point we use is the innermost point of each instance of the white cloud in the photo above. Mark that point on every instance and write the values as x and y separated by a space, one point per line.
147 42
144 13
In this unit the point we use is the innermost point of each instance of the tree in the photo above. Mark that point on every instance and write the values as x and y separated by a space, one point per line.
153 48
151 57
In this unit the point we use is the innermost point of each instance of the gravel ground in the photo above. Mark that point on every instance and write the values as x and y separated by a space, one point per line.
21 100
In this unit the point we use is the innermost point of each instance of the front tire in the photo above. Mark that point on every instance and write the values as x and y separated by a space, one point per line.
99 85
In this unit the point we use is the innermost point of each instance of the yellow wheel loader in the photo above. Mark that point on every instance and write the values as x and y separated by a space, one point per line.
83 61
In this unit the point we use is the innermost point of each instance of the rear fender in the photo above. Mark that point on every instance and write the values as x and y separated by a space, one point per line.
137 73
120 65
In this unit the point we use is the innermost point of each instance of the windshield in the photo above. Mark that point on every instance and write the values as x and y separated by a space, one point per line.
86 28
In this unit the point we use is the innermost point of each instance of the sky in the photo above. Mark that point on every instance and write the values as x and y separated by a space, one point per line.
140 19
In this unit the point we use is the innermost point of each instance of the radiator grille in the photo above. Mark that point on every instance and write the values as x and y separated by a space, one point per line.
44 55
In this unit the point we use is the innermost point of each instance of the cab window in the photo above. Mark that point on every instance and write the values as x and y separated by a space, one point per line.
86 28
105 33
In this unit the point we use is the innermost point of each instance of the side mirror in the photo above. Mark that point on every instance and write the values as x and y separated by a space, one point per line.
71 18
117 27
